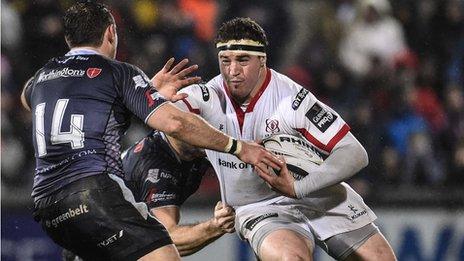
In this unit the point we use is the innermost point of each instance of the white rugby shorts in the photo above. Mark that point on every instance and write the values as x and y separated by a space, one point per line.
327 213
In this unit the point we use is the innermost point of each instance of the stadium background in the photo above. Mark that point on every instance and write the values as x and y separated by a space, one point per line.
394 70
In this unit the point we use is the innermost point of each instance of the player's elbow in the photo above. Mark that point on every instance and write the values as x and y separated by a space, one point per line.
356 152
364 157
170 120
361 158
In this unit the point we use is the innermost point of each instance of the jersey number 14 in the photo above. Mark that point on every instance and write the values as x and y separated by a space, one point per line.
75 135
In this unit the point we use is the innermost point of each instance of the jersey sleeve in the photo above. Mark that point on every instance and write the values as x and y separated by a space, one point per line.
316 121
136 91
198 97
160 189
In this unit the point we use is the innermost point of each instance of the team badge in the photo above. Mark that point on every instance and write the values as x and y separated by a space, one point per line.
93 72
320 117
272 126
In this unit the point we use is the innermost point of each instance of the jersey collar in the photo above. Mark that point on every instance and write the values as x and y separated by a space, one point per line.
238 110
82 51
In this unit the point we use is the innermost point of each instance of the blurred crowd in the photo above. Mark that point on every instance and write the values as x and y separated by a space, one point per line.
394 70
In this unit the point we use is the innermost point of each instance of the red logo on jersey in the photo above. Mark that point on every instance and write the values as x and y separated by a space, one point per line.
93 72
148 95
272 126
139 146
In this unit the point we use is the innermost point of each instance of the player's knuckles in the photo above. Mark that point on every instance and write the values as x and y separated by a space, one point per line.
228 220
229 225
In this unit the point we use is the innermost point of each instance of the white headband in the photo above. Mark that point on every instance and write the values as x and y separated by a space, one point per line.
243 45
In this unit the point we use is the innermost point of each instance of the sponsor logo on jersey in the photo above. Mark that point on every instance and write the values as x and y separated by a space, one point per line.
298 141
67 160
233 165
356 212
63 73
272 126
300 96
71 213
93 72
320 117
153 176
252 223
82 58
68 58
139 81
111 239
163 196
204 92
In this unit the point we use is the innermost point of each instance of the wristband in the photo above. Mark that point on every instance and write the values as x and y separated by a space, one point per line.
229 145
239 148
233 146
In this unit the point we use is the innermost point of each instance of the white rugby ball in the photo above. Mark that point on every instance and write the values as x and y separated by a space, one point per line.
301 157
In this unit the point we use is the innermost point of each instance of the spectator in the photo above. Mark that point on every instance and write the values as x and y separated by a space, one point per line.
375 34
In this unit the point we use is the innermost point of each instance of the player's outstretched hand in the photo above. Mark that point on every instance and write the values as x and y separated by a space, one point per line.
170 79
283 182
224 218
258 156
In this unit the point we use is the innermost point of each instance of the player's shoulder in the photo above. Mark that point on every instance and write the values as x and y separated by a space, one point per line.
284 83
216 82
151 144
150 150
121 66
292 93
216 86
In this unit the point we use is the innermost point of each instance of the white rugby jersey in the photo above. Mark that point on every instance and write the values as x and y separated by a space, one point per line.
280 106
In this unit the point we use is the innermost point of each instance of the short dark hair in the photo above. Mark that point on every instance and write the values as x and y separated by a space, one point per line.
241 28
85 23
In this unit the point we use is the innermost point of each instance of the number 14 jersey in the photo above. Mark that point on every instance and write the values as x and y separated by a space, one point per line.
81 105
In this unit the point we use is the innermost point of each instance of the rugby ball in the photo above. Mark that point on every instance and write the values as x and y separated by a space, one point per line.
301 157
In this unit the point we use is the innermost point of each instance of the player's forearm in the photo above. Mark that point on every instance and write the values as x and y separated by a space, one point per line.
188 127
191 238
197 132
348 157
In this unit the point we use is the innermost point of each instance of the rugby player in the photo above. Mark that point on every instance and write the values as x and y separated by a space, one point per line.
163 172
250 101
81 104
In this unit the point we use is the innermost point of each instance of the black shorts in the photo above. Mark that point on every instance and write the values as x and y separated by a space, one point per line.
92 218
